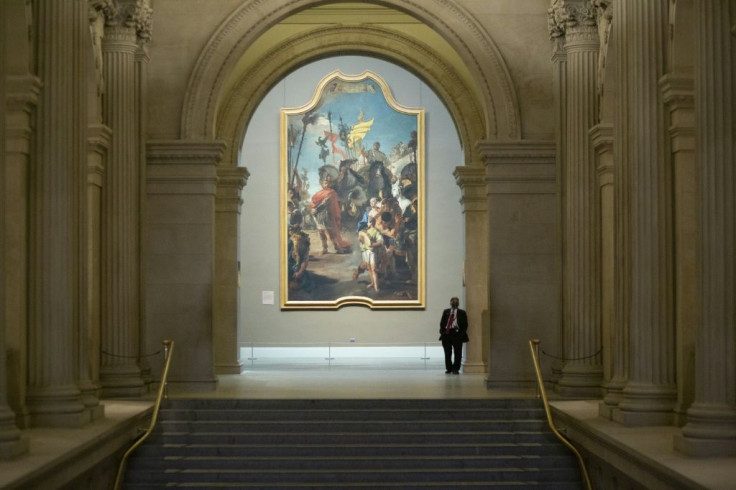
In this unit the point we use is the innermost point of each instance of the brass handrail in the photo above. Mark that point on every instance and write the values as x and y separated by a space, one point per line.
533 347
168 349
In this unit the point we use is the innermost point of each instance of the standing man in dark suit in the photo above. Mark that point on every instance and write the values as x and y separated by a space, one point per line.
453 332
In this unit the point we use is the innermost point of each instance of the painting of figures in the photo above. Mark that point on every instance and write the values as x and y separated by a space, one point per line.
352 194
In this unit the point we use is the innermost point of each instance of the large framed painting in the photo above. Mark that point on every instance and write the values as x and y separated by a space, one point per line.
352 198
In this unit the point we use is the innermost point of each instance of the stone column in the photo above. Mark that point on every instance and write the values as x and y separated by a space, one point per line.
677 93
522 290
12 443
601 137
650 393
711 427
53 395
475 207
228 203
581 374
120 289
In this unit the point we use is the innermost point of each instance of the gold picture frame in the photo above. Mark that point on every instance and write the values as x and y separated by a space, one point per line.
352 198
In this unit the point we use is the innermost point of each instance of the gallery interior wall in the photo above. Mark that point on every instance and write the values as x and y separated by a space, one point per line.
259 223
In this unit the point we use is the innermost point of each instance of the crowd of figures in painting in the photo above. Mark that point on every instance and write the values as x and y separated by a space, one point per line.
357 234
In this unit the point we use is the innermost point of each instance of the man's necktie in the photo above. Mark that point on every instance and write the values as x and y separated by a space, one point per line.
450 322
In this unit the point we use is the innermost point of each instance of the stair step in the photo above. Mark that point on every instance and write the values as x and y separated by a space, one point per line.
294 426
350 404
339 449
287 438
417 485
351 462
365 414
348 476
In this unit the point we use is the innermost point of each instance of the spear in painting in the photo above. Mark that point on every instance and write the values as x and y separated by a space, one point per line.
309 118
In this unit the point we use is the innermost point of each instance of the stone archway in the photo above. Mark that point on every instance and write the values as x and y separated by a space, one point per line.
482 101
491 79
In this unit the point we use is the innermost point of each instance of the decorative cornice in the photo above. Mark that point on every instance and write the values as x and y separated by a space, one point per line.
522 151
562 16
519 167
184 152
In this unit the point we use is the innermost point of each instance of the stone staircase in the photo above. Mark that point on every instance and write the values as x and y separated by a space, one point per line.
478 443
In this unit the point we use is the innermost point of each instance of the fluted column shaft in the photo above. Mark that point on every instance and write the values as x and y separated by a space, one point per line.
582 372
120 311
650 393
475 207
711 427
53 396
11 442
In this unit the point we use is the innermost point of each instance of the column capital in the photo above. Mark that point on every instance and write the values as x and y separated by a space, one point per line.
678 90
136 14
230 183
564 15
473 184
601 137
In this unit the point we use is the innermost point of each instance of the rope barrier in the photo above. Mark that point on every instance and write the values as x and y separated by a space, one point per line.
573 358
130 357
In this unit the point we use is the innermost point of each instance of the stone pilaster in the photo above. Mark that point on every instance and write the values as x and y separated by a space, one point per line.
12 443
472 182
98 142
621 258
53 397
141 82
120 287
650 393
228 202
677 93
98 138
581 374
522 289
601 136
711 426
559 89
181 188
22 94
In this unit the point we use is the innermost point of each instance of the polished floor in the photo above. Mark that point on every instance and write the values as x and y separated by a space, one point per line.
352 383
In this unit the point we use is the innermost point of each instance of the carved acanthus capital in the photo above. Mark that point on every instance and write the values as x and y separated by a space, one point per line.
137 14
143 18
562 16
